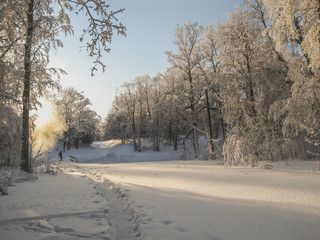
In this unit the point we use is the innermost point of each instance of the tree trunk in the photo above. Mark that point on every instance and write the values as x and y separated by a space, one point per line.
141 118
173 136
318 10
223 125
69 141
195 141
25 158
156 146
64 141
193 115
211 145
69 134
135 146
251 90
175 141
77 142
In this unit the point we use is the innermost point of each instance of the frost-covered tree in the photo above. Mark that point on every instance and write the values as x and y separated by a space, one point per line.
127 99
143 104
10 131
295 24
238 38
294 27
116 124
10 54
88 127
209 66
30 28
158 106
185 60
141 111
173 125
255 75
81 122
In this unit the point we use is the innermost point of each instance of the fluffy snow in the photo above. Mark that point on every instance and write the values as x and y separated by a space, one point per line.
66 206
115 193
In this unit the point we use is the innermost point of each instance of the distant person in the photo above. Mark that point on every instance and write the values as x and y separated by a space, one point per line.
60 155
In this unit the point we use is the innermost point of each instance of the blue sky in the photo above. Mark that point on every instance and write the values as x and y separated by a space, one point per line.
150 27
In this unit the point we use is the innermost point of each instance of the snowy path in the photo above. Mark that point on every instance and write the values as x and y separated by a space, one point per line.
66 206
199 200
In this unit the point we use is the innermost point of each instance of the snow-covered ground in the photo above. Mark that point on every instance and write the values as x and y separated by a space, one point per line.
65 206
114 193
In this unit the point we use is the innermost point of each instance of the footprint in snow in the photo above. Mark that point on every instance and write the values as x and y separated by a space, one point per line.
182 230
62 229
167 222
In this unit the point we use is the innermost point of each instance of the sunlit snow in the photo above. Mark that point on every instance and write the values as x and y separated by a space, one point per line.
114 192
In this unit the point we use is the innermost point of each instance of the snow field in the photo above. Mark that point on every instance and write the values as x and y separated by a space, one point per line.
149 196
66 206
200 200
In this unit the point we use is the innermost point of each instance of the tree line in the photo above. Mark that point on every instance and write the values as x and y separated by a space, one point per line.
82 125
250 85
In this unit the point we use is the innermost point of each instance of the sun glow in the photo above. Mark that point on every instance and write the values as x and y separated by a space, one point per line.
49 127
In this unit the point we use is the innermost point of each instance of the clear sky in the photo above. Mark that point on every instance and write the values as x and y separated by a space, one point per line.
151 25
